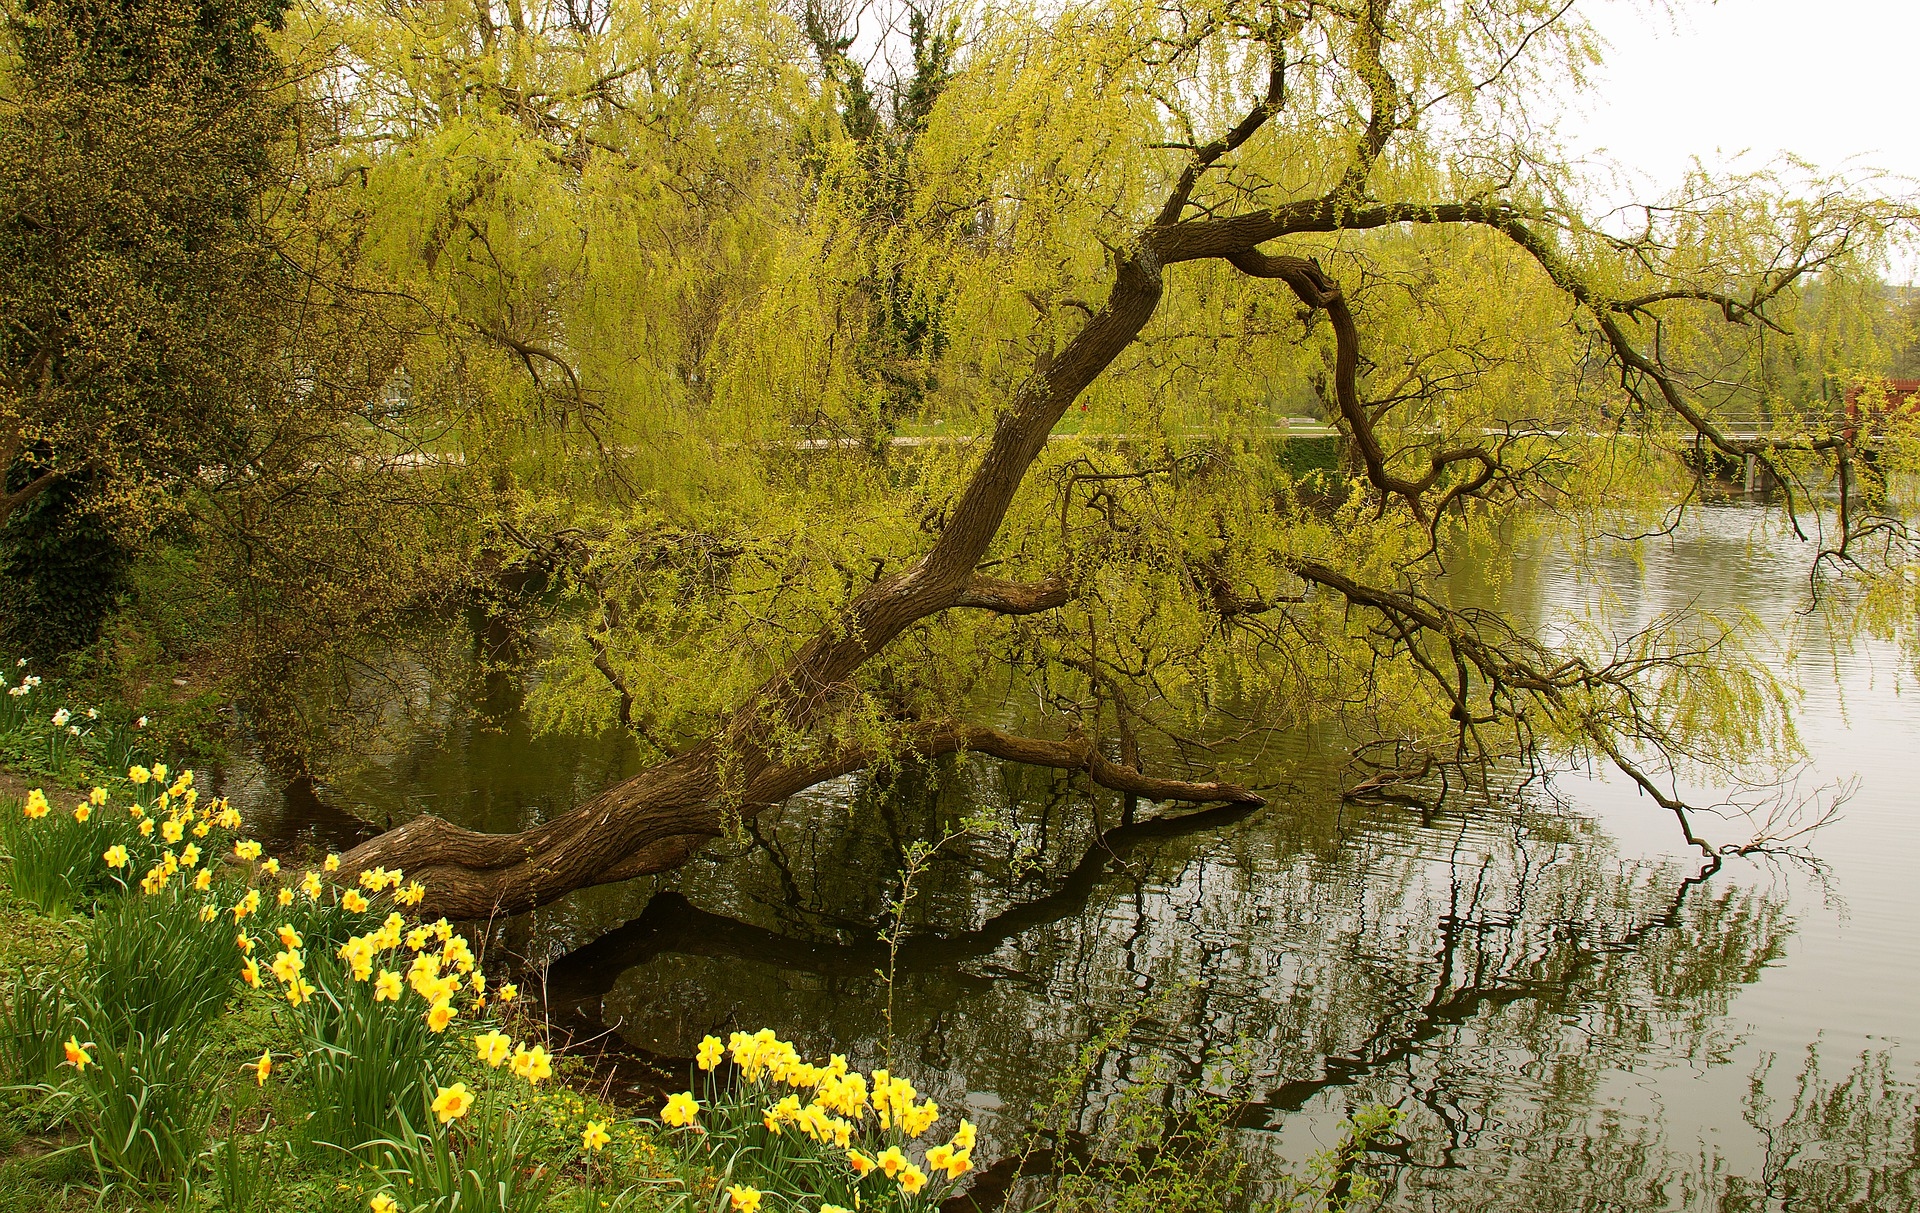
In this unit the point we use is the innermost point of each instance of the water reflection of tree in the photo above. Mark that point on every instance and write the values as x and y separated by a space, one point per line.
1490 978
1851 1144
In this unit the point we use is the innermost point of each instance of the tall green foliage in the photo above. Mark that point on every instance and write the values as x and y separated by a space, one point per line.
137 281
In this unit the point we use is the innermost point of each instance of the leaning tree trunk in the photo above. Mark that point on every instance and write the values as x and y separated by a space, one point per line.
654 821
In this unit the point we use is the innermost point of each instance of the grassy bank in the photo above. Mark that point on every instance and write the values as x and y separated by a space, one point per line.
189 1023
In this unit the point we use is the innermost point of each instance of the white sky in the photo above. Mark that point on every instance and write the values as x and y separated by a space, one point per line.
1834 82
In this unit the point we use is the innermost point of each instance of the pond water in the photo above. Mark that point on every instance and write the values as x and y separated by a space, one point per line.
1572 1011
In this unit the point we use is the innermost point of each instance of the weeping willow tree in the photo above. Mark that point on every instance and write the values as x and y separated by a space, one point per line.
854 415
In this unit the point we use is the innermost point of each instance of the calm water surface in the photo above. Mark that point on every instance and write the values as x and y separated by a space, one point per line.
1571 1013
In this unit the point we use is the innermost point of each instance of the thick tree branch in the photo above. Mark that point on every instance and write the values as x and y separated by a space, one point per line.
1014 597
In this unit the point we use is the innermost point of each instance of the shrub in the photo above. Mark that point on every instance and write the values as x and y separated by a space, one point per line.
147 1107
35 1017
473 1161
366 1061
803 1136
156 965
56 853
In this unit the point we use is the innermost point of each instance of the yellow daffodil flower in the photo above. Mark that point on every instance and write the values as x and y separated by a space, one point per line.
891 1160
532 1064
262 1068
270 866
77 1055
299 991
285 897
386 988
139 775
290 937
596 1137
710 1052
508 992
97 797
440 1016
190 855
116 856
492 1047
171 830
452 1102
681 1110
911 1179
384 1204
250 972
352 901
310 884
860 1163
332 864
963 1136
247 849
745 1199
82 811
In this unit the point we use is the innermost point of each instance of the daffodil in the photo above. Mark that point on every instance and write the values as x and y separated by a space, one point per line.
860 1163
532 1064
97 797
139 775
288 965
116 856
82 811
451 1103
190 855
745 1199
440 1016
244 942
911 1179
491 1046
891 1160
171 830
508 992
284 897
596 1137
36 806
250 972
681 1110
262 1068
77 1055
290 937
384 1203
146 828
710 1052
352 901
310 884
270 866
963 1136
247 849
299 991
386 987
332 864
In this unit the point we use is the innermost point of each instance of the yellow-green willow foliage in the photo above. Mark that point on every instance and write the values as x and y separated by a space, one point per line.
645 261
